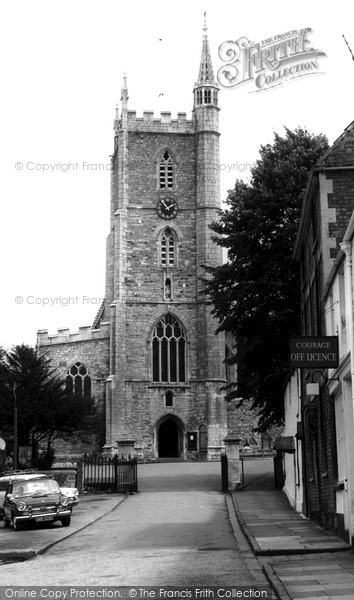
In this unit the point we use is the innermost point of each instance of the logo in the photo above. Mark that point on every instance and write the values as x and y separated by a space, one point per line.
268 63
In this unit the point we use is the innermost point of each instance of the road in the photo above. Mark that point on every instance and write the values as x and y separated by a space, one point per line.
175 531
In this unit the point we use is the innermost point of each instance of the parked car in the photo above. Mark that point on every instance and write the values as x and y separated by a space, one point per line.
35 500
27 474
71 493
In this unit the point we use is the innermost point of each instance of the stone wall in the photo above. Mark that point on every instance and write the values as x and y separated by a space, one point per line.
64 349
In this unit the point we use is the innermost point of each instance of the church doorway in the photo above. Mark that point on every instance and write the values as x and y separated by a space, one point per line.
170 438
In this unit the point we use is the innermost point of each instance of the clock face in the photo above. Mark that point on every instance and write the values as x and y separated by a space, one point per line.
167 209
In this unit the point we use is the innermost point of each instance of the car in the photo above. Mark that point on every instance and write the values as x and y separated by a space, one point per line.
24 475
72 494
35 500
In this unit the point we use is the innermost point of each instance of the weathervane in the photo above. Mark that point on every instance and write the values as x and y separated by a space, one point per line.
205 28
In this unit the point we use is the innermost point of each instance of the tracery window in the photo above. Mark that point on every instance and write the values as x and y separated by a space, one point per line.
166 171
168 248
168 351
78 381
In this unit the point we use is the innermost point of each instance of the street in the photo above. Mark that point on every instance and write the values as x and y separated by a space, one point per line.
175 531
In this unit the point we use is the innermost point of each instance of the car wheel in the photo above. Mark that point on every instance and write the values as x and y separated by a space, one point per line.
66 521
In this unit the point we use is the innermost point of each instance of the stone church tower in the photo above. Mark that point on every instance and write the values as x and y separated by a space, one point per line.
152 355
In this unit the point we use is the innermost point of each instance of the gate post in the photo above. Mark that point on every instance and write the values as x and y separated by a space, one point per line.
79 476
125 449
232 447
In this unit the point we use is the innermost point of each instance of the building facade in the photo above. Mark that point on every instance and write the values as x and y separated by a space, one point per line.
320 477
152 357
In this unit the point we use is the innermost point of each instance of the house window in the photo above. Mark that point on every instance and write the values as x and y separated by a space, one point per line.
168 351
168 247
78 381
166 171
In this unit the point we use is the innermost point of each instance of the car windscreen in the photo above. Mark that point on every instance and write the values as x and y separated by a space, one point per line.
35 487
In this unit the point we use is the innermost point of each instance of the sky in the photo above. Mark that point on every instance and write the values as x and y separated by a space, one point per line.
62 73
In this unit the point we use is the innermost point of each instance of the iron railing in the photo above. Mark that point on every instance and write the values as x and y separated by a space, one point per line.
109 475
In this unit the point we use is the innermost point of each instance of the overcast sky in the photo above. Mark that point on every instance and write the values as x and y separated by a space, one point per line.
62 70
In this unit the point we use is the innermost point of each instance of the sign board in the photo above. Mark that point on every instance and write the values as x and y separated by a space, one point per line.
285 443
314 352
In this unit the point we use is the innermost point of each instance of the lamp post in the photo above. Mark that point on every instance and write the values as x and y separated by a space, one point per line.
14 387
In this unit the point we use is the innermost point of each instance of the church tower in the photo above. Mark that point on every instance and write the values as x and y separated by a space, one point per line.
166 363
152 357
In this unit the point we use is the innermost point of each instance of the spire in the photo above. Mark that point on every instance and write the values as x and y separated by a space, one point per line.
206 89
124 93
206 73
124 98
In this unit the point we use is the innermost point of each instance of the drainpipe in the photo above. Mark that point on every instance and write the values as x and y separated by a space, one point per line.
347 249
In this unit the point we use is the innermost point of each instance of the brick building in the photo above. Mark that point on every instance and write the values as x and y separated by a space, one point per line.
152 357
320 480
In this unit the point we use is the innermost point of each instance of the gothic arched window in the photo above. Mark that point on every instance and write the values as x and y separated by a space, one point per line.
169 398
168 248
168 351
78 381
166 171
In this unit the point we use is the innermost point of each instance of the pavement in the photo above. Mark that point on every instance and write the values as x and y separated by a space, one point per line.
300 559
27 543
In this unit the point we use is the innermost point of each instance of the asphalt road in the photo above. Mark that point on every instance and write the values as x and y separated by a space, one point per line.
175 531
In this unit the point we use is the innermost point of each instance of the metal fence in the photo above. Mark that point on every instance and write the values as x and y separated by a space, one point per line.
109 475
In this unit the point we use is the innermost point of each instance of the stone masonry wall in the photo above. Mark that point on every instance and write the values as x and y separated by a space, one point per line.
90 347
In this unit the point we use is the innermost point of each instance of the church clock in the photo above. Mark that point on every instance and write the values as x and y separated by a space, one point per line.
167 209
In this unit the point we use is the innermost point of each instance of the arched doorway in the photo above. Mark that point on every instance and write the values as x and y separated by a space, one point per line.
169 438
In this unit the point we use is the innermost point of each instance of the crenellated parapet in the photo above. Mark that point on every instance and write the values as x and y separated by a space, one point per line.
64 336
164 123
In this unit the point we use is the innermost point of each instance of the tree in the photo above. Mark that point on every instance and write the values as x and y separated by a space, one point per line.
256 293
45 410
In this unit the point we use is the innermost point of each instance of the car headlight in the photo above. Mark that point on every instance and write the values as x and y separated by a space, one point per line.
21 505
64 501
